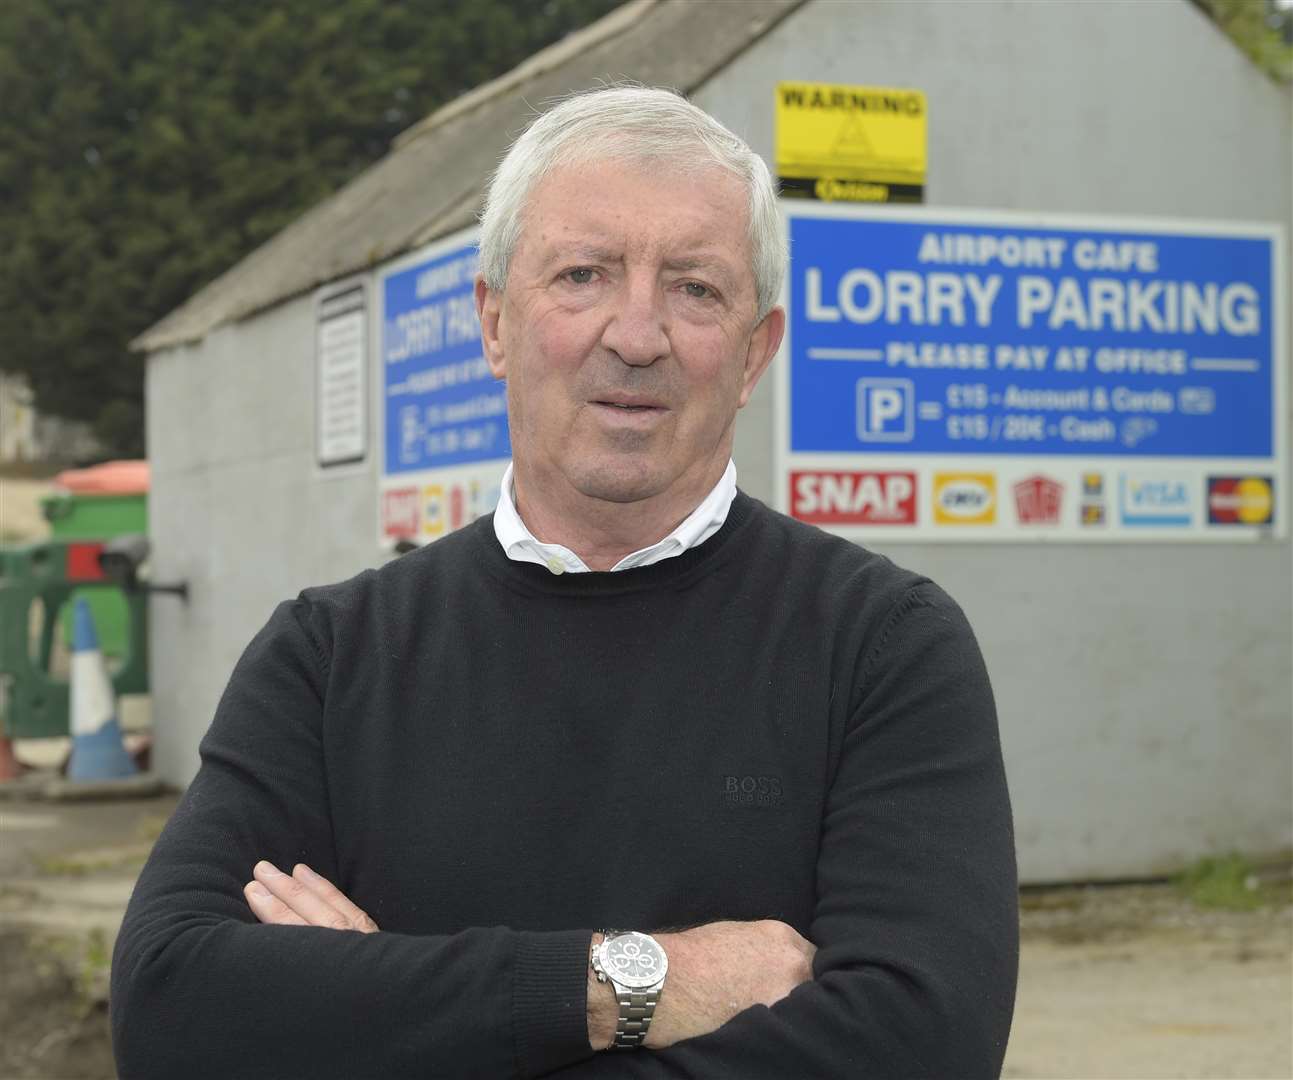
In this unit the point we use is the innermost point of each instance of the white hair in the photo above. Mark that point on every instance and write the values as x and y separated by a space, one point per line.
634 123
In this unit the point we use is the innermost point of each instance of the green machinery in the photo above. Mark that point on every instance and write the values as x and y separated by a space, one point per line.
98 516
44 576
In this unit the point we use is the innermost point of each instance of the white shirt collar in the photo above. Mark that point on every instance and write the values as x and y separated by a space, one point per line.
521 545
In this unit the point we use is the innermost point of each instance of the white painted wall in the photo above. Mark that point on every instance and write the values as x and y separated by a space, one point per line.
238 508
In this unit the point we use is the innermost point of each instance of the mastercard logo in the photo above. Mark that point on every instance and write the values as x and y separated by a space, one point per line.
1241 500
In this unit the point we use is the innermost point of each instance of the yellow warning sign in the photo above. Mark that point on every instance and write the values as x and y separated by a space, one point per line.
853 143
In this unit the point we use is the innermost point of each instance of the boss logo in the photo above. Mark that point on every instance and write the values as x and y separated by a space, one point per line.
752 791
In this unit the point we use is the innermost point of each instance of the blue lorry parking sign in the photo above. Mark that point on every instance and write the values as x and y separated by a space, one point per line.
930 338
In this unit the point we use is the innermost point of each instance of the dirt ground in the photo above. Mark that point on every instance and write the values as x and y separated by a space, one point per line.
66 871
1138 982
1128 982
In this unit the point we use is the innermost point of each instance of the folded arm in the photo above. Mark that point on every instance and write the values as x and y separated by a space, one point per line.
716 970
916 922
201 988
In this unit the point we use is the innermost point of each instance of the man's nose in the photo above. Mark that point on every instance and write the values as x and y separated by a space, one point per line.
636 331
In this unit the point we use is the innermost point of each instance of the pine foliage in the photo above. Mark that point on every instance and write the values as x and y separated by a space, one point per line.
147 145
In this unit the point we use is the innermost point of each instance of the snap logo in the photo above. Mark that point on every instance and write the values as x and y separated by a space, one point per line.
752 790
853 498
400 512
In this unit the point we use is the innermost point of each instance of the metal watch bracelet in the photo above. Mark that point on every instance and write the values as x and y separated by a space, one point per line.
636 1009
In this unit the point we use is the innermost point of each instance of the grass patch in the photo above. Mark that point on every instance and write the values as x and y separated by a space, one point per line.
58 866
82 959
150 826
92 974
79 863
1228 882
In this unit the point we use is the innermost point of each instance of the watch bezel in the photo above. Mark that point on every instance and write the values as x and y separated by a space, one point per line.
632 981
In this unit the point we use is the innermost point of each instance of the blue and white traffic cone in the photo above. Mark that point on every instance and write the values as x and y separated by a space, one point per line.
98 752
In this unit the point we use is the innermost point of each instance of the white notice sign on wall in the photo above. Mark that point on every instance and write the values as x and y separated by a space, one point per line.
341 427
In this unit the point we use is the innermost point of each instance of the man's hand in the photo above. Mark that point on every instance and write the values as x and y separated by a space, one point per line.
715 972
302 899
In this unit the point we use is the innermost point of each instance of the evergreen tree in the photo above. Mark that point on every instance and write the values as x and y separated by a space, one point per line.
1262 28
147 145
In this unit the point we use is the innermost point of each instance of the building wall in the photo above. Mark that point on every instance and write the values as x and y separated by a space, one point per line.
238 508
1144 690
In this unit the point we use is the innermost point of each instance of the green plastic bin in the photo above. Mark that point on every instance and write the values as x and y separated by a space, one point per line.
94 517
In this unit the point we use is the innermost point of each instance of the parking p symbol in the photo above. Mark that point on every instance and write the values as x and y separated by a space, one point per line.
885 410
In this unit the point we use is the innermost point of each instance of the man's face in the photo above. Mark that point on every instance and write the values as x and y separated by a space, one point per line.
628 332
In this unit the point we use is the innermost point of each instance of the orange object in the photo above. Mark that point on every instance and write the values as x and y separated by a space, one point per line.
10 767
110 478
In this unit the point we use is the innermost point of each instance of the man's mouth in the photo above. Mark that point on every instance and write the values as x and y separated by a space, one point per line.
630 406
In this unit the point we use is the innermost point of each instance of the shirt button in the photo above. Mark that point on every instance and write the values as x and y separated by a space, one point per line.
556 565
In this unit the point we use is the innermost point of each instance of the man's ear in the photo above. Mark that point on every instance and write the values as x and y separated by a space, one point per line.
764 343
489 310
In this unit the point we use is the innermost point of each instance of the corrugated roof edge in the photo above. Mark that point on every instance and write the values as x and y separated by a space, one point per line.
194 319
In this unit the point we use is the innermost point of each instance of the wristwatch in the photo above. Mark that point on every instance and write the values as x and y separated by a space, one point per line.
635 965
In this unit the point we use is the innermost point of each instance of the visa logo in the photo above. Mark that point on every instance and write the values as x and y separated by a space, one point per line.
1154 500
1159 494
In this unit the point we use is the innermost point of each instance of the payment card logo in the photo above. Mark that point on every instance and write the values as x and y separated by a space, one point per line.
433 510
965 498
853 498
1092 508
1154 500
1241 500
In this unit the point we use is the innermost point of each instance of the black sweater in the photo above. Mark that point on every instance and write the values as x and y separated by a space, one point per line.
492 760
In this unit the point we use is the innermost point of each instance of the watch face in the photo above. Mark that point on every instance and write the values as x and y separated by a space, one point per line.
634 960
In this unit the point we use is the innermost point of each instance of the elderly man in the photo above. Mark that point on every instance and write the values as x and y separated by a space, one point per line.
634 778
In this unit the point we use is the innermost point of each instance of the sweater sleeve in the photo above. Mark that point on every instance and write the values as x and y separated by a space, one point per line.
201 989
916 920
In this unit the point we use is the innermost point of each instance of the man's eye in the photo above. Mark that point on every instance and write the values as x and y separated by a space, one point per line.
581 275
697 290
